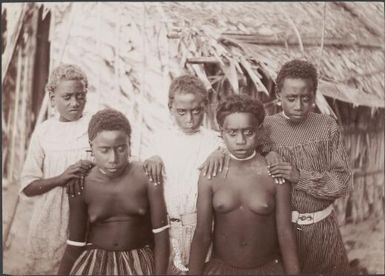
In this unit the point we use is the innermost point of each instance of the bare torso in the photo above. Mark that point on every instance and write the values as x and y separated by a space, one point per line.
118 209
244 205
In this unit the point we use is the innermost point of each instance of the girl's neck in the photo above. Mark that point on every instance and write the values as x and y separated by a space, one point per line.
251 156
116 174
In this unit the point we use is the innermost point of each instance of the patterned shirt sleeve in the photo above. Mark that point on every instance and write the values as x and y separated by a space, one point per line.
33 165
336 181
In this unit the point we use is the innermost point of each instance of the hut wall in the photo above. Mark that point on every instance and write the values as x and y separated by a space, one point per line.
16 93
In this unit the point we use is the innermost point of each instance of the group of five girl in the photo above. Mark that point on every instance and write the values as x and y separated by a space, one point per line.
164 215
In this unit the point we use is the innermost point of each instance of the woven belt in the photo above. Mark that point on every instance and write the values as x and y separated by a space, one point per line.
310 218
185 219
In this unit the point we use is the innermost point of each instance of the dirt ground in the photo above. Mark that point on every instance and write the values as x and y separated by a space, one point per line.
364 241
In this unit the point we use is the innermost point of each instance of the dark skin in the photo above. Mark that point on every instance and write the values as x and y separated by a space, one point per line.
298 98
187 111
243 195
72 178
69 99
120 205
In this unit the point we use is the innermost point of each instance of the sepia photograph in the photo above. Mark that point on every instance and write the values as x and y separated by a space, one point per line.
193 138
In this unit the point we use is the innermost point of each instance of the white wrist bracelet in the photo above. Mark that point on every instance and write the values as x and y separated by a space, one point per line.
160 229
75 243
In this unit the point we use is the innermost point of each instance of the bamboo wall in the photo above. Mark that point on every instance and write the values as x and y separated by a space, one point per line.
16 99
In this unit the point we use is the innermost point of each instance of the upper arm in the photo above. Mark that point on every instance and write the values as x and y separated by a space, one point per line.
78 218
204 204
157 204
283 207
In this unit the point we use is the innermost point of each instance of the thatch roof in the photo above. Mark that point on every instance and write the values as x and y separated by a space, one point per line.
131 51
352 59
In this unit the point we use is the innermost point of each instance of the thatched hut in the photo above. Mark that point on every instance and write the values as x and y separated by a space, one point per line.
131 51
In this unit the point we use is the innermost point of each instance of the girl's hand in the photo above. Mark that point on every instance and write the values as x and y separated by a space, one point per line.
75 186
153 168
274 158
74 171
214 163
284 170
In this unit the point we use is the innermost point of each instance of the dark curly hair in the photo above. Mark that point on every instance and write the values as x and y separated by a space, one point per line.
65 72
240 103
187 84
108 119
297 69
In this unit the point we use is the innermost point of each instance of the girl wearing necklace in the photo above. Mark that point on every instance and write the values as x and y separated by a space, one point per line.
252 231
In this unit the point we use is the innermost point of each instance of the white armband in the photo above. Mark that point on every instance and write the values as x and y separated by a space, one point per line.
76 243
160 229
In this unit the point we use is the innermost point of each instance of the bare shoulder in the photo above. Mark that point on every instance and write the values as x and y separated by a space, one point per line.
137 169
205 182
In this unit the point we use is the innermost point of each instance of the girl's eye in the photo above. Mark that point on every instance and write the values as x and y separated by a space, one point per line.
67 98
181 111
306 99
248 132
81 96
103 150
232 132
197 110
290 99
121 148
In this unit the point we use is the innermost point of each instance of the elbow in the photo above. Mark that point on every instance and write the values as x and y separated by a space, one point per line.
27 192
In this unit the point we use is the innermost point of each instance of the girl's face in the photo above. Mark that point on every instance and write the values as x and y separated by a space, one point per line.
69 99
188 111
297 98
239 133
111 149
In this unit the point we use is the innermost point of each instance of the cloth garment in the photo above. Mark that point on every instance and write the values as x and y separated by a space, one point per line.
54 146
95 261
217 267
182 155
315 147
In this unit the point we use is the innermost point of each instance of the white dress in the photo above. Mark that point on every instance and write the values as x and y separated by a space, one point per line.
54 146
182 155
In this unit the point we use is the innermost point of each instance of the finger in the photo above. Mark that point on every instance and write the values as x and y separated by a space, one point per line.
82 182
150 174
210 170
221 163
71 189
158 170
205 168
145 168
77 187
216 168
277 169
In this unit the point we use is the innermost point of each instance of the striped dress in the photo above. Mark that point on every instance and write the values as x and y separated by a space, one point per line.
315 147
97 261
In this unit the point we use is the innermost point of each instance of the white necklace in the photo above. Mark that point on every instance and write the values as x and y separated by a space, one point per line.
244 159
284 115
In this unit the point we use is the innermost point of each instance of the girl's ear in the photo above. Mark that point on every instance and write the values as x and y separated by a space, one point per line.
52 99
221 132
92 150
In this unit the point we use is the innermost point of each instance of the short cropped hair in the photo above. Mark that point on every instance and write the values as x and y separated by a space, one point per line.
65 72
108 119
297 69
187 84
240 104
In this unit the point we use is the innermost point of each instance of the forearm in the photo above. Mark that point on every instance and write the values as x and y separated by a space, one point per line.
328 185
42 186
161 252
199 247
288 248
71 254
